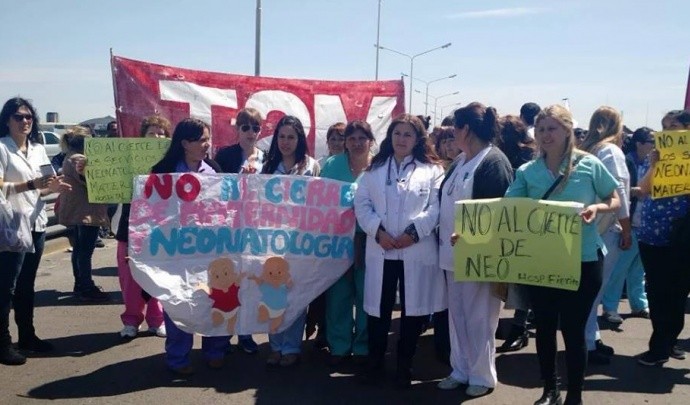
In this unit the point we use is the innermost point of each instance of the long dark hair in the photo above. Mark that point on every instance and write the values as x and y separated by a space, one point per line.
189 129
12 106
515 142
481 120
274 157
421 150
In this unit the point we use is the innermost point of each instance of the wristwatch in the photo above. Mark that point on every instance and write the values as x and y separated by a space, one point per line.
412 231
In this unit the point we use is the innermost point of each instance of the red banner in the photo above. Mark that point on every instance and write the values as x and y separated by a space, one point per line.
143 89
687 94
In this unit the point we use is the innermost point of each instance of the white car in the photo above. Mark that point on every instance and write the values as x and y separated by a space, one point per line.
51 141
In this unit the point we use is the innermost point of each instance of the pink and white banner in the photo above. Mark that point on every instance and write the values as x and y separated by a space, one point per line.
239 254
143 89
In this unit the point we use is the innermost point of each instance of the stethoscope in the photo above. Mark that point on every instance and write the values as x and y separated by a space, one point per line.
388 176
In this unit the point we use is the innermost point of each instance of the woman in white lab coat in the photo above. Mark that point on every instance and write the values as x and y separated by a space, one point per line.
396 204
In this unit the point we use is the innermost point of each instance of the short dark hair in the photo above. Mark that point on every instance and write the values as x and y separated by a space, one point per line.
643 134
528 112
110 124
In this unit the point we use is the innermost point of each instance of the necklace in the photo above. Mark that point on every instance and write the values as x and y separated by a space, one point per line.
355 171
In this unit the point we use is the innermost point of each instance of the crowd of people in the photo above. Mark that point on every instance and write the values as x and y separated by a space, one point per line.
404 238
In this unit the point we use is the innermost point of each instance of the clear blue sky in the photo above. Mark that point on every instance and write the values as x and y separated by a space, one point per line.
630 54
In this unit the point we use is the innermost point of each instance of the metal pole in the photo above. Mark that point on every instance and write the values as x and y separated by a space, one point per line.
409 110
257 50
378 32
426 106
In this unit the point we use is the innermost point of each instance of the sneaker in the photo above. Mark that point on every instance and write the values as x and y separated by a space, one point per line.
677 353
273 359
449 383
476 390
158 331
650 359
36 345
613 317
100 243
10 357
129 332
643 313
95 294
603 349
289 360
247 344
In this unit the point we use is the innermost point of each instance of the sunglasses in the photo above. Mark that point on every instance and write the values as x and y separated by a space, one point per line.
246 127
21 117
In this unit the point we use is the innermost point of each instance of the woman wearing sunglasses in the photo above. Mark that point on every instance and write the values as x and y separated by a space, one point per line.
244 157
22 182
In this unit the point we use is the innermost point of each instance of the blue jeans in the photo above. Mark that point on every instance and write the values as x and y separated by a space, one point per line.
82 251
628 269
17 279
178 345
289 341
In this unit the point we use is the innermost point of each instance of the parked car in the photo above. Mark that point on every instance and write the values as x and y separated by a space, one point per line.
51 141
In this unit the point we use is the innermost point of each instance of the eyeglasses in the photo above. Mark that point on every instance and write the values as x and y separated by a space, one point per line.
21 117
246 127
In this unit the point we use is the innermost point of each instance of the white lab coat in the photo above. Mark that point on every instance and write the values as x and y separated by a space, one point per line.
425 291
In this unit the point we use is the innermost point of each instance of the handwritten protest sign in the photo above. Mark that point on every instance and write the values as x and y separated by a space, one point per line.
239 254
672 171
519 240
113 163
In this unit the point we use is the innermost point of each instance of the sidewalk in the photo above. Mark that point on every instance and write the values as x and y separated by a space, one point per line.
92 364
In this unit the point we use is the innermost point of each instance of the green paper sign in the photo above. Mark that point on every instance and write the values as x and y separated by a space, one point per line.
113 163
519 240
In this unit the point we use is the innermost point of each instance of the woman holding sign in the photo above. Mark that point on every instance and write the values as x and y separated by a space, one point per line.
396 204
22 181
480 171
187 153
346 335
663 247
563 173
138 304
74 210
288 154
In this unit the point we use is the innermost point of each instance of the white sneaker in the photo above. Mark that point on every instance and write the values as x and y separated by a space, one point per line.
449 383
613 317
476 390
129 332
159 331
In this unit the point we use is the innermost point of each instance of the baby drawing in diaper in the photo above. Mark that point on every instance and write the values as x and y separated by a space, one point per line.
223 289
274 283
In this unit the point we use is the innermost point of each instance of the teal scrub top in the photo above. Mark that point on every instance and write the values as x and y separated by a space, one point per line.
588 181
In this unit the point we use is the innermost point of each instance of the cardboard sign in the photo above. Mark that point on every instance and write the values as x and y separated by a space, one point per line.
113 163
519 240
672 171
239 254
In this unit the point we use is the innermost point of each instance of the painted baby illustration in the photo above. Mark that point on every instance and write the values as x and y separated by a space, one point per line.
274 283
223 289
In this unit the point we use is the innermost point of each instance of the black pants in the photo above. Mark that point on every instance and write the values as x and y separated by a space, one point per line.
82 252
17 279
410 326
668 285
571 309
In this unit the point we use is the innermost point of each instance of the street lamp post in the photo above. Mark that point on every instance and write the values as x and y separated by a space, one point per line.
436 100
378 45
443 109
257 45
412 58
426 102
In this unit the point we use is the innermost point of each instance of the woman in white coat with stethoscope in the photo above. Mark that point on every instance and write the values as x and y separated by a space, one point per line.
396 204
480 171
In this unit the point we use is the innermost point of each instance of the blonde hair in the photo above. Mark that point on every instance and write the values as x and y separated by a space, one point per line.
605 126
563 117
73 140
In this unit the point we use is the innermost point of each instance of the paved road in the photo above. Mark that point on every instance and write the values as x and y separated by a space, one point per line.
92 365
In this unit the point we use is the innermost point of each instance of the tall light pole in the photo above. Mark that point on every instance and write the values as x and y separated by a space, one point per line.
412 58
436 100
426 102
257 49
378 36
443 108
